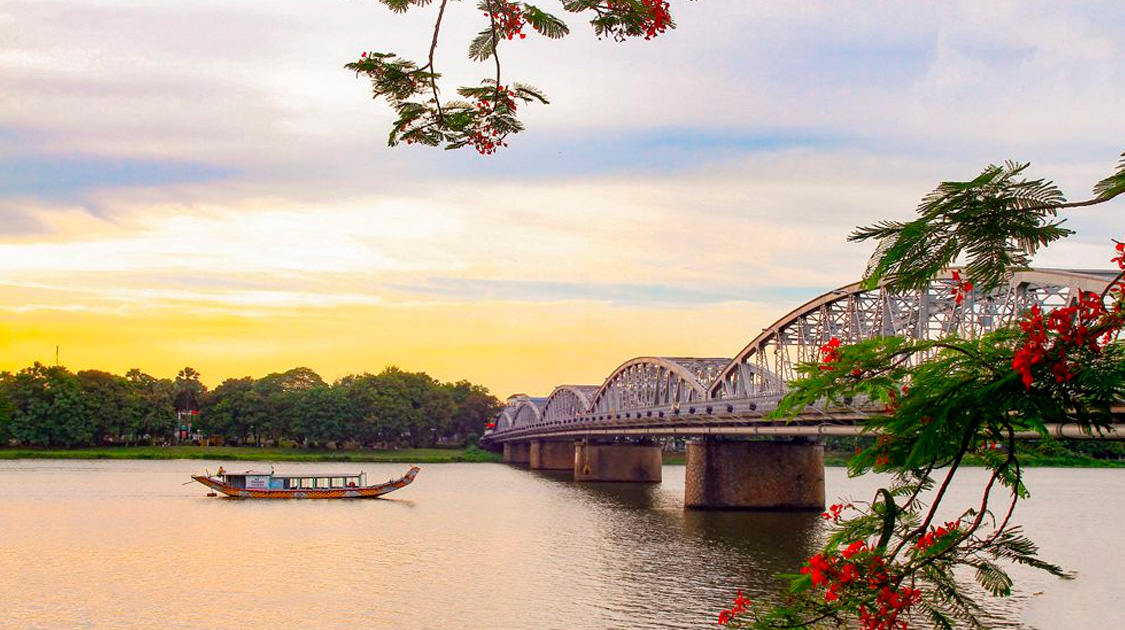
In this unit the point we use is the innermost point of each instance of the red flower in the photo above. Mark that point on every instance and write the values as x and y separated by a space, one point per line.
831 352
960 288
741 602
853 549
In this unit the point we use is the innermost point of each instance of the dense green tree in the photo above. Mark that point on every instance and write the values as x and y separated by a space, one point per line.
232 409
188 390
423 408
475 407
5 409
48 408
380 407
320 415
154 412
109 400
398 407
280 392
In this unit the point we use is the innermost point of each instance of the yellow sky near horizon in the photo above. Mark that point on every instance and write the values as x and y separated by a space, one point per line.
507 347
556 285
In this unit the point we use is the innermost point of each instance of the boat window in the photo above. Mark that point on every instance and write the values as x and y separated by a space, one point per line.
322 482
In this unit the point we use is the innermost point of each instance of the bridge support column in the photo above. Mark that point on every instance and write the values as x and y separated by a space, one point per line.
548 455
754 476
617 462
517 453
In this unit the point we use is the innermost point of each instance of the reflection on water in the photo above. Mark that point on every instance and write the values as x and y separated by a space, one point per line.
765 543
125 545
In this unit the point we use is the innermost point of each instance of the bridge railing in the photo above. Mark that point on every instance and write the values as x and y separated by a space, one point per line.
691 418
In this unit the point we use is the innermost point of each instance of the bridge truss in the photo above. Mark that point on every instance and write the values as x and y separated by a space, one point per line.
677 395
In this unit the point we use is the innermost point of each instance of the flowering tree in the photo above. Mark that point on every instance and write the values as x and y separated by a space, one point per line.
892 563
486 114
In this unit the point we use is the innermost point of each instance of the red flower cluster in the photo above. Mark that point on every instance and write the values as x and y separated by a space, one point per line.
486 142
500 98
836 572
935 534
655 18
831 352
488 138
960 288
1071 327
833 513
509 19
893 606
1120 257
740 604
860 571
658 19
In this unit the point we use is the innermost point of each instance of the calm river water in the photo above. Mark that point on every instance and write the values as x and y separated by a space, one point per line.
123 545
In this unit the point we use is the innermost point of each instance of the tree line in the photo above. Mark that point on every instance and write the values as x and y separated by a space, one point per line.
44 405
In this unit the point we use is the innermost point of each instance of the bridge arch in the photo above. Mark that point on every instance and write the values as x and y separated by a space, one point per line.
528 412
656 381
568 401
852 313
505 420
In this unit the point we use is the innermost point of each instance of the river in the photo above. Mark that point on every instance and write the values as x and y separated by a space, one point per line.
124 545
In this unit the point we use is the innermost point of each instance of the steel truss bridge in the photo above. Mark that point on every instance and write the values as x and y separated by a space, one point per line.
688 396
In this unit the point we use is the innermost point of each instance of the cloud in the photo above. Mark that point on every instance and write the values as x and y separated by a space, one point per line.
58 175
213 157
473 289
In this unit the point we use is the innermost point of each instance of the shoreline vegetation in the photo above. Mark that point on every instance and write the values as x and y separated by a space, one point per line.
251 453
50 407
419 455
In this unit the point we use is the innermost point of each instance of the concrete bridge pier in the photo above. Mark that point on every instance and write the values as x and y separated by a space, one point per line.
551 455
517 453
729 475
617 462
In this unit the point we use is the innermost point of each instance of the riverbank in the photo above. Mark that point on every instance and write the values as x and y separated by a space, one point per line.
1030 460
249 453
421 455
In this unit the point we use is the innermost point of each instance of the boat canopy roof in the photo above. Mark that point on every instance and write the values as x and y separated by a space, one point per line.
277 475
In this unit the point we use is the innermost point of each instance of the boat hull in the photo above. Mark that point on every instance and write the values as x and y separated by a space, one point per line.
362 492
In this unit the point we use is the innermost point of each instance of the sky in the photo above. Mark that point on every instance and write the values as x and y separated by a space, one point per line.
201 183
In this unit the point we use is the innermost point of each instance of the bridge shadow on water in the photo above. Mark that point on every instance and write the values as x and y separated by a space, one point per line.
652 537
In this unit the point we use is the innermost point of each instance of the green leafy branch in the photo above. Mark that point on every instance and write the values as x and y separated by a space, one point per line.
413 90
936 403
997 221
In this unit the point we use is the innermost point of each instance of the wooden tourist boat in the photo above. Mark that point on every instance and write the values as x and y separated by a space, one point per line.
252 484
